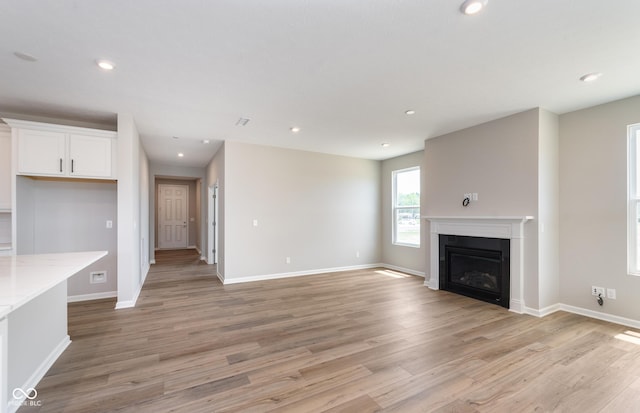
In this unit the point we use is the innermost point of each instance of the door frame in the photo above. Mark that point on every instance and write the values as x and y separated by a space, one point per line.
212 224
158 204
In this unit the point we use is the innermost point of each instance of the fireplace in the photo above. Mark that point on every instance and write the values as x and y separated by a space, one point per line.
477 267
504 227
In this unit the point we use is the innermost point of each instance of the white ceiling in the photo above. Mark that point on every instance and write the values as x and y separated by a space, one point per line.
344 71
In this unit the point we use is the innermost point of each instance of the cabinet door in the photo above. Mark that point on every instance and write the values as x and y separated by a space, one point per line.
41 152
89 156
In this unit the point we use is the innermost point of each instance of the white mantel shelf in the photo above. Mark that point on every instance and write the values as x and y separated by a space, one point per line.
505 227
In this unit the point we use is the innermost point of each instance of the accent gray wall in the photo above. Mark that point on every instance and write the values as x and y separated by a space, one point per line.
593 207
499 161
69 216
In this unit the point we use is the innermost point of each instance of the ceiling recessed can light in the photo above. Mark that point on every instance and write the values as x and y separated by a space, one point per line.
180 154
410 112
470 7
105 64
386 145
590 77
206 141
295 129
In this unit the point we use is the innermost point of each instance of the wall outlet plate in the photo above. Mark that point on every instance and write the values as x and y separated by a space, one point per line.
597 291
97 277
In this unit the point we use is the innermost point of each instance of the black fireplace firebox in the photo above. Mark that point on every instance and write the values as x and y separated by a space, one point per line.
477 267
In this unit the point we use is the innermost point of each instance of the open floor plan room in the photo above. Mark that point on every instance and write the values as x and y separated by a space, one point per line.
358 341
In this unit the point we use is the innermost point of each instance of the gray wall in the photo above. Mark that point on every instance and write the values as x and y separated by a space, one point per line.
317 209
69 216
499 161
408 258
548 211
593 207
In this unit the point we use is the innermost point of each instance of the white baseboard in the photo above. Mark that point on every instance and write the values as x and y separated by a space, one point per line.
92 296
153 261
600 316
129 303
203 258
32 382
220 276
405 270
297 274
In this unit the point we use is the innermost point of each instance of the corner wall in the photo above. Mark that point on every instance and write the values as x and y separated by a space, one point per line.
593 208
131 203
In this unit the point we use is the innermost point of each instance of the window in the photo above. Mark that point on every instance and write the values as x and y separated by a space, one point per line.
633 244
406 207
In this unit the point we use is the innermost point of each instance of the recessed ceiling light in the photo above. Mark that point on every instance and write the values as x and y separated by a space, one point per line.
410 112
180 154
590 77
295 129
24 56
175 137
386 145
206 141
105 64
470 7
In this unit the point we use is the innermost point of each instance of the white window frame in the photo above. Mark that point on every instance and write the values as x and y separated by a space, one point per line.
395 207
633 199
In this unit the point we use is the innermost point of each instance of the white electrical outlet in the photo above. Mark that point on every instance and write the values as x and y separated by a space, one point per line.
109 223
288 260
611 293
475 196
357 254
597 291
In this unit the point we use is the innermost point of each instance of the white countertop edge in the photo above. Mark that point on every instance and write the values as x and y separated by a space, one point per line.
59 276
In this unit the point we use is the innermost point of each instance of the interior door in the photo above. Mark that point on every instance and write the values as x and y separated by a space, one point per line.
172 216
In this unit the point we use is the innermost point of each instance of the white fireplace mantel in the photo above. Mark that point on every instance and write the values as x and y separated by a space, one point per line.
505 227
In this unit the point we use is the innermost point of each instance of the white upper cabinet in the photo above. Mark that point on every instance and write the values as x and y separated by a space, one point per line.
41 152
90 156
65 151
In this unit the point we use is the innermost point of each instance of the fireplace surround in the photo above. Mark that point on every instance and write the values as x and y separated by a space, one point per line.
503 227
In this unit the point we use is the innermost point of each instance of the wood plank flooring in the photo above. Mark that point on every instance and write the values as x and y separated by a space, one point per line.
359 341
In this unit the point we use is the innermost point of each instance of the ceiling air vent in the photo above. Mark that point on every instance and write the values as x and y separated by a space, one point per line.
242 121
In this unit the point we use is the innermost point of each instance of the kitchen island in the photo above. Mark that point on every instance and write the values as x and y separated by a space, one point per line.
33 320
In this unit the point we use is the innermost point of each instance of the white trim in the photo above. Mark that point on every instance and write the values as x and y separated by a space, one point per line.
405 270
40 371
505 227
629 322
298 273
129 303
220 276
53 127
633 200
153 261
543 312
92 296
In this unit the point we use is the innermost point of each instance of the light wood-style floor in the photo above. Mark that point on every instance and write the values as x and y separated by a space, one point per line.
361 341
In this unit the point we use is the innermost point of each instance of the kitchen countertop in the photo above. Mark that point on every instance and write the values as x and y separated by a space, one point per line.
24 277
